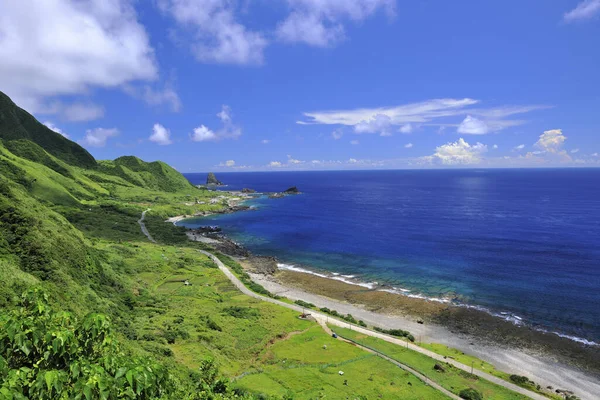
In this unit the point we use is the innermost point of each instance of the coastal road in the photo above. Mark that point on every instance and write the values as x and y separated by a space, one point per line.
324 319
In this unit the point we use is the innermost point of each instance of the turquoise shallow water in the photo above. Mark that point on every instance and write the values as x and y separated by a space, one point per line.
523 244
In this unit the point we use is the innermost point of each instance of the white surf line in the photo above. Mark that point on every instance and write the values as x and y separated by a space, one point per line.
143 226
323 317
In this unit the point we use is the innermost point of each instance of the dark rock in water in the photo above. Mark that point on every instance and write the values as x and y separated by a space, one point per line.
208 229
276 195
246 190
211 179
292 190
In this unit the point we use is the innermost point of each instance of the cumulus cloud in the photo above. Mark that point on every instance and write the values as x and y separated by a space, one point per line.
203 134
519 147
473 126
586 9
55 128
353 161
337 134
407 128
574 151
430 112
379 123
321 23
354 142
408 146
228 163
160 135
292 160
551 141
457 153
98 137
228 129
265 141
217 35
102 45
274 164
550 145
495 147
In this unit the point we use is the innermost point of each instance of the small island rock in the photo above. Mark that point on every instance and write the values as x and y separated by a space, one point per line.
246 190
211 179
292 190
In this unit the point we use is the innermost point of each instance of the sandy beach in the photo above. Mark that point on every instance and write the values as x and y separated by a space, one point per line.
388 310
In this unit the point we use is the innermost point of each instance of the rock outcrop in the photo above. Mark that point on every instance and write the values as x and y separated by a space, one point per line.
246 190
211 179
292 190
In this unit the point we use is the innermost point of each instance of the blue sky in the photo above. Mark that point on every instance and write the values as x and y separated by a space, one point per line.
312 84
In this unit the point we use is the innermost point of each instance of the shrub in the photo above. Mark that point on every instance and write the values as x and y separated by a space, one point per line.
303 303
470 394
241 312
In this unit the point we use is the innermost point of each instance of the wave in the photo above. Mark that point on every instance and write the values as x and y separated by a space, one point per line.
505 315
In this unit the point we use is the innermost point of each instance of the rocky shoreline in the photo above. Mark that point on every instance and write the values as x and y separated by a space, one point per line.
471 330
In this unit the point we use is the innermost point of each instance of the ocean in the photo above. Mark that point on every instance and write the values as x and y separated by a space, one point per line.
521 244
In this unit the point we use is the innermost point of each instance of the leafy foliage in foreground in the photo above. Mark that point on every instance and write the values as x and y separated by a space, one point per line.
48 355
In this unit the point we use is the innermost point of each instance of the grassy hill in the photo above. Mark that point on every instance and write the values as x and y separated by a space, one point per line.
16 124
89 308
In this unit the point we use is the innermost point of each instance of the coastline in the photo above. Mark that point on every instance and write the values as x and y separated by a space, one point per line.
545 357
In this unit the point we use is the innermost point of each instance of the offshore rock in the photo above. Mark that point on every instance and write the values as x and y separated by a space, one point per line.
292 190
211 179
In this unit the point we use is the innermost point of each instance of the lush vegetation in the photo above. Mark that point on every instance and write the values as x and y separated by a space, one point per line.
451 378
91 309
397 333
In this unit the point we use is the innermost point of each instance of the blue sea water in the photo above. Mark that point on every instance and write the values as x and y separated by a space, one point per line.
523 244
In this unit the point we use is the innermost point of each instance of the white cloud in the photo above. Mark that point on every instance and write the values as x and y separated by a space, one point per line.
160 135
430 112
228 131
98 137
71 47
551 141
574 151
156 96
354 142
379 123
320 23
292 160
228 163
265 141
473 126
82 112
274 164
55 128
337 134
408 146
203 134
519 147
595 155
353 161
217 35
457 153
407 128
584 10
495 147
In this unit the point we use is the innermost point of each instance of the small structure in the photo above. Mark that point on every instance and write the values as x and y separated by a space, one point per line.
334 335
341 372
187 283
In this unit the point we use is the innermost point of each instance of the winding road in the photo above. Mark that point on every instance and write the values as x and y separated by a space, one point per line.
323 320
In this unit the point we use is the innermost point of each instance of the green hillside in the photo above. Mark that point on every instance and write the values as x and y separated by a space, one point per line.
91 309
16 123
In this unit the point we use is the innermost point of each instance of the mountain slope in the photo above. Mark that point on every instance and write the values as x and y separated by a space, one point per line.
16 123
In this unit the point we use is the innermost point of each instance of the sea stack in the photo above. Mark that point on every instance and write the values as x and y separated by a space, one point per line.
211 179
292 190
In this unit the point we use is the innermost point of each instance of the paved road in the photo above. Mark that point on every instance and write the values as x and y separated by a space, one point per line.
323 319
143 226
